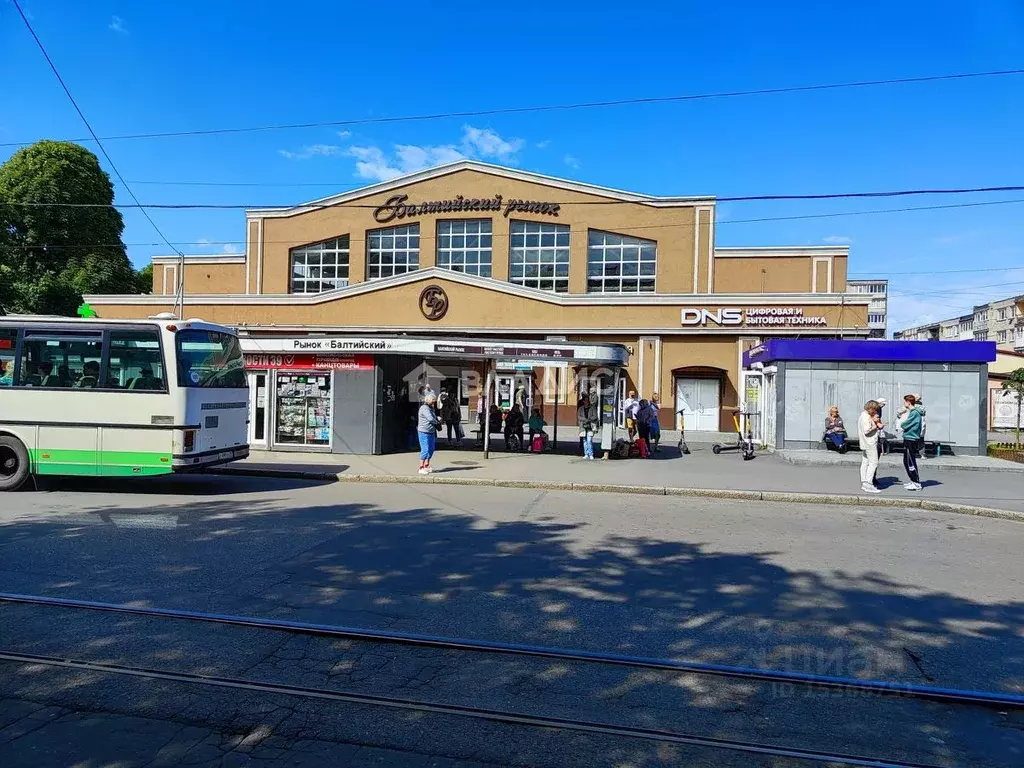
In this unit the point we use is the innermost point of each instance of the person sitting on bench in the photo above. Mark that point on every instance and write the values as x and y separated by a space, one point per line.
835 430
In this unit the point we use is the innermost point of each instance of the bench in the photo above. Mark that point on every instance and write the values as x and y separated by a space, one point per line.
934 446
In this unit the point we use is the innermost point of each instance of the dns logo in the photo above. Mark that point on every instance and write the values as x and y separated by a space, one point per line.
692 316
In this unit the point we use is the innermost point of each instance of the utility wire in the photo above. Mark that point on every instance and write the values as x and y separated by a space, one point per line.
372 206
687 225
551 107
92 133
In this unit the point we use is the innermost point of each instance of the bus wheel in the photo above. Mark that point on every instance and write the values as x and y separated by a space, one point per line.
13 463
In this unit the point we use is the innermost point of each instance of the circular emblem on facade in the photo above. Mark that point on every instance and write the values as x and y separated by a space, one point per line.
433 302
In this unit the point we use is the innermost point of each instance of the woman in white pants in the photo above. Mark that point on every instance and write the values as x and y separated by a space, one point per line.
869 426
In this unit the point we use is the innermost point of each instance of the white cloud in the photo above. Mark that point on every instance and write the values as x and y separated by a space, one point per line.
344 134
313 150
371 164
232 248
484 142
571 161
837 240
117 25
543 144
374 163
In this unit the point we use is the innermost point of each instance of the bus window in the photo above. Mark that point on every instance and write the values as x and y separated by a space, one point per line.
135 361
8 343
61 363
209 359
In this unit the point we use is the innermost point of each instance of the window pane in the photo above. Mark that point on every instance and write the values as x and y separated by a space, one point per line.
392 251
135 361
614 256
61 363
328 259
544 257
8 345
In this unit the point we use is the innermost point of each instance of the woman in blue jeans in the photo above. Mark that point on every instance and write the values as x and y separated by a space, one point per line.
427 423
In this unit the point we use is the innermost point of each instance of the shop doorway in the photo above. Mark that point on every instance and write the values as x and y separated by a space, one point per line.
258 409
700 401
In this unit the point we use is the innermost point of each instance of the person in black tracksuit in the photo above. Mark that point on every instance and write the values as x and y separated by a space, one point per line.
644 422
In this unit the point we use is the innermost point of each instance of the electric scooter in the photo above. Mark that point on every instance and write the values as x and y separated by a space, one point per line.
684 449
744 443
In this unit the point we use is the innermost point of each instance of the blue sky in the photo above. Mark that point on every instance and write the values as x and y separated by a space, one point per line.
143 67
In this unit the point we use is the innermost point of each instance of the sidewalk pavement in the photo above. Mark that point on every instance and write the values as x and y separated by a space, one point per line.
767 477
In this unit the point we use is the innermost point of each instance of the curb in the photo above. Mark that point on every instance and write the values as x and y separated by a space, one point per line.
643 490
802 462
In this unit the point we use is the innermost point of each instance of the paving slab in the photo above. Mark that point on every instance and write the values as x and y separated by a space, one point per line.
953 481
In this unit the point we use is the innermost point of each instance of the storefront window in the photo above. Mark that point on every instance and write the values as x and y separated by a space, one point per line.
465 246
320 266
620 264
392 251
304 409
539 256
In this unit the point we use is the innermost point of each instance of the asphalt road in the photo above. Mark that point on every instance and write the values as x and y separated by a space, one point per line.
905 595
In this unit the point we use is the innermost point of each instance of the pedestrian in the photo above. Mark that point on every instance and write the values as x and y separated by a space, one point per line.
868 427
835 430
451 412
514 428
629 408
883 439
655 422
427 424
912 423
586 418
644 419
537 425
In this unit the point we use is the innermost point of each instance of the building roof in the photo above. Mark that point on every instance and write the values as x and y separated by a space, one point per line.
838 350
494 170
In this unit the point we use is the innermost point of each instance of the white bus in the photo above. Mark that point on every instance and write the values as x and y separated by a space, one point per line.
118 398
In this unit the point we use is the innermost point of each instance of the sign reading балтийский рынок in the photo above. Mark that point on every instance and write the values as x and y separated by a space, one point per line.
396 207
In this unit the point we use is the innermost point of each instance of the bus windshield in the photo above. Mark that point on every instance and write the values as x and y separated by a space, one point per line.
209 359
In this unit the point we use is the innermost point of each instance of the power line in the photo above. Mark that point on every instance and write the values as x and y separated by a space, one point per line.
738 199
372 206
92 133
637 227
548 108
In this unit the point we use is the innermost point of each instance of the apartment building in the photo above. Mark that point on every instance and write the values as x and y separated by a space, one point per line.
878 291
999 321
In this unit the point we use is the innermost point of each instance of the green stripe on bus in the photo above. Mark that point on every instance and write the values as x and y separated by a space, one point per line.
62 461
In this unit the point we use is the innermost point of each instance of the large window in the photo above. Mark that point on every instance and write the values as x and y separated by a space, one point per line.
135 361
320 266
8 345
209 359
392 251
620 264
62 360
539 256
465 246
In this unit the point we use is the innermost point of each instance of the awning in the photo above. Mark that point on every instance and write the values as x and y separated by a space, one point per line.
540 352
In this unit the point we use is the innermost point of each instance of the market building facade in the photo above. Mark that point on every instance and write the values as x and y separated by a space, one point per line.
349 303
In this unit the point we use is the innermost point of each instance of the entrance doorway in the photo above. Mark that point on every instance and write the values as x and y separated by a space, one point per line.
258 409
700 401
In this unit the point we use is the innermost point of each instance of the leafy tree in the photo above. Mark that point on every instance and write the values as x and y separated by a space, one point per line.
144 279
1015 384
51 255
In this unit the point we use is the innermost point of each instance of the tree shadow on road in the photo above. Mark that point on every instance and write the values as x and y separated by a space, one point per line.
424 569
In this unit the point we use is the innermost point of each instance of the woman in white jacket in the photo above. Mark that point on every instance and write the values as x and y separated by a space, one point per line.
869 426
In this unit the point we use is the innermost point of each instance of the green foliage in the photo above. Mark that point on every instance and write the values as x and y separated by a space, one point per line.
51 255
1015 383
144 279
